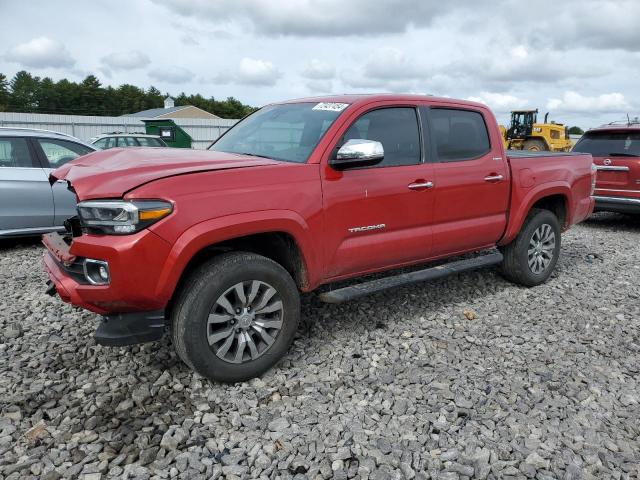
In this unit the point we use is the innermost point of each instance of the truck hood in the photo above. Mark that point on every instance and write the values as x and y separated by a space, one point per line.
112 173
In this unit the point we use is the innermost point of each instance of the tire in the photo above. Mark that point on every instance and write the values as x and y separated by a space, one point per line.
201 315
538 226
535 145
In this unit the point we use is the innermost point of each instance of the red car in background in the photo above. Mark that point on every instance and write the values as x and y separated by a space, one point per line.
616 153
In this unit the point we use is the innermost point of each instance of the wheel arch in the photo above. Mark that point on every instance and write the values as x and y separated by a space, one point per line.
553 198
282 236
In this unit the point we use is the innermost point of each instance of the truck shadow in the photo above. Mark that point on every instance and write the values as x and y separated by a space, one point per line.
615 221
19 242
395 305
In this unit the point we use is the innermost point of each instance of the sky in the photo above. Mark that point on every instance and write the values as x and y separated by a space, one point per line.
581 63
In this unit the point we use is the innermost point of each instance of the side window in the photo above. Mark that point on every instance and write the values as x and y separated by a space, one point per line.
396 128
111 142
131 142
59 152
14 152
102 143
458 134
149 142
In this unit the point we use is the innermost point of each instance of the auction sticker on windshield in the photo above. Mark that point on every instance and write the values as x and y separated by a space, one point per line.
332 107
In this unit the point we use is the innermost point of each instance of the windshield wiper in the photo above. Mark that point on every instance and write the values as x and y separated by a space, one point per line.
619 154
256 155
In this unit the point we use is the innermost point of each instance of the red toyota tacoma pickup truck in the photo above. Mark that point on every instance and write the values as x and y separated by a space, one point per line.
616 153
216 245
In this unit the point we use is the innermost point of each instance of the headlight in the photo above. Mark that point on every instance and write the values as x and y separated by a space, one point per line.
119 217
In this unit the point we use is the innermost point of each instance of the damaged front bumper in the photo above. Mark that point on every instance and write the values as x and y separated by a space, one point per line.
131 310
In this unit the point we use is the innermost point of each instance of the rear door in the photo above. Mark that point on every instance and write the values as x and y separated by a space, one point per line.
55 153
26 201
471 181
616 154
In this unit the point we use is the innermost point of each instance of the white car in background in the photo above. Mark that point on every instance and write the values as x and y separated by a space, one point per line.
123 140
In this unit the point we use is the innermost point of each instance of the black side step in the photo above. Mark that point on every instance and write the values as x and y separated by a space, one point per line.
360 290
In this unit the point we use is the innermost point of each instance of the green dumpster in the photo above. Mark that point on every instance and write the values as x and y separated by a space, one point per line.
172 134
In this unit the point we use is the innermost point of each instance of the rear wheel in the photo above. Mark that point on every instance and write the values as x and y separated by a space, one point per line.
235 316
530 259
534 145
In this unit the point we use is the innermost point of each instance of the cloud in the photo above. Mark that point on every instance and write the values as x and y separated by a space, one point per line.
257 72
575 102
597 24
521 64
320 86
249 72
41 52
125 60
499 102
388 69
309 18
106 72
392 64
318 70
189 40
171 74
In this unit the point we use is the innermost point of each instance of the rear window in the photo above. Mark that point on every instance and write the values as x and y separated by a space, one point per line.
459 134
606 144
14 152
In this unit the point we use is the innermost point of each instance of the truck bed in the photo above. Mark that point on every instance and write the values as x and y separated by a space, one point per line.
562 174
529 153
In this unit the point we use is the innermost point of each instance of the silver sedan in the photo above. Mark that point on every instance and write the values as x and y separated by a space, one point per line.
29 204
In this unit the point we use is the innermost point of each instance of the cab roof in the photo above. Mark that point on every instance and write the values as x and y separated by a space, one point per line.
362 99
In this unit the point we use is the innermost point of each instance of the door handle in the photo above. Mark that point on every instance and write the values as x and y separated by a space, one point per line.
419 185
493 178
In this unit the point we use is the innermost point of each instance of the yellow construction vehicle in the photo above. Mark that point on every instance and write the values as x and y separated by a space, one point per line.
524 133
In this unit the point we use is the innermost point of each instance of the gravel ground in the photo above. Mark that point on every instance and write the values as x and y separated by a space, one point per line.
468 377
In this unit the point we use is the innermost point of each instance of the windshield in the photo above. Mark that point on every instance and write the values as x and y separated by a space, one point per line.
606 144
286 132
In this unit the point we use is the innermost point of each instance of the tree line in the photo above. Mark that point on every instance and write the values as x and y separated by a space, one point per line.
31 94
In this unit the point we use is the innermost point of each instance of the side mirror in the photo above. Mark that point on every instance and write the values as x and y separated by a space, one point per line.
358 152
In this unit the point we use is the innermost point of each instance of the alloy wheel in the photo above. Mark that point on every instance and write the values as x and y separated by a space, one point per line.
541 248
245 321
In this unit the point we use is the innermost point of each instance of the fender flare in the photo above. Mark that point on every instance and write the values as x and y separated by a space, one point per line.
517 218
210 232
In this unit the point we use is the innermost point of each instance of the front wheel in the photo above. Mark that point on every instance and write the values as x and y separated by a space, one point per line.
530 259
235 316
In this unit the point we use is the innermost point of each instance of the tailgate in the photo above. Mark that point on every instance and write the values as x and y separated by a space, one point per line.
616 154
618 175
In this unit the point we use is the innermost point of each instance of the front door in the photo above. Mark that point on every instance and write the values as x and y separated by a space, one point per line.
379 216
26 200
472 182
